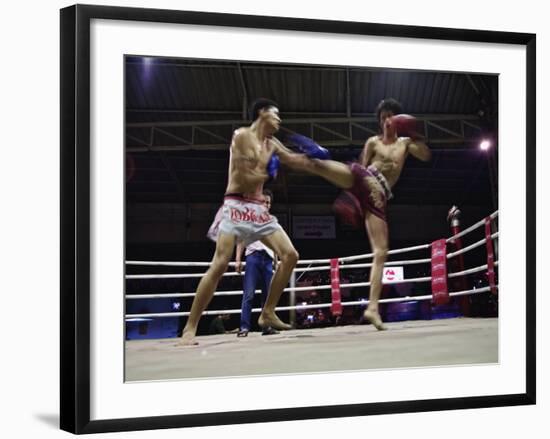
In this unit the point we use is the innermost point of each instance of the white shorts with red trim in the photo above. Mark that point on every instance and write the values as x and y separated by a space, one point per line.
248 220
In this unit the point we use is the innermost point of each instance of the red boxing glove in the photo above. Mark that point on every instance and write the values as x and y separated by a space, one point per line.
405 125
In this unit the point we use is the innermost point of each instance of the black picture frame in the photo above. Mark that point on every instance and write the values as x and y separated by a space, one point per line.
75 217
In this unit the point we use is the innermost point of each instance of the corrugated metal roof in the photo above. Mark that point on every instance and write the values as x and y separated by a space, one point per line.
217 86
419 92
177 87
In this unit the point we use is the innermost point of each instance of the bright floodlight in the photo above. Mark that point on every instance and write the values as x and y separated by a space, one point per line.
485 145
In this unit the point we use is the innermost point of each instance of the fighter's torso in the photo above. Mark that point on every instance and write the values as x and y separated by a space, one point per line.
389 158
252 158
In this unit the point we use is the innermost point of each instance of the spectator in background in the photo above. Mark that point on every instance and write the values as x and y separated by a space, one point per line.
217 325
314 298
260 262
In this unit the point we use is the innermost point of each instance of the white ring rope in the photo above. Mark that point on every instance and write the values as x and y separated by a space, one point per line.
326 267
174 264
322 261
367 265
176 275
470 271
296 270
471 247
314 268
308 288
314 306
364 256
473 227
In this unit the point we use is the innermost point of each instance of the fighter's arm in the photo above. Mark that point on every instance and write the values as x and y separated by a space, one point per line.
368 151
285 154
238 256
419 149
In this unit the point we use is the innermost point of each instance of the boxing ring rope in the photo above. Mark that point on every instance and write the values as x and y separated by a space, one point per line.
326 267
314 306
307 288
296 270
321 268
326 261
471 247
300 262
473 227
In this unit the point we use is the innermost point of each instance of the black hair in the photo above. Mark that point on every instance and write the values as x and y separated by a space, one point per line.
269 193
260 104
389 104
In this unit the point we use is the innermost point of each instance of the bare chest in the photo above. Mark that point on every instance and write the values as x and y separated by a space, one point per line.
254 155
258 150
395 152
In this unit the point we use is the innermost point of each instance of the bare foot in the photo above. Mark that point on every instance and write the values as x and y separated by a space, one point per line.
374 318
270 319
187 339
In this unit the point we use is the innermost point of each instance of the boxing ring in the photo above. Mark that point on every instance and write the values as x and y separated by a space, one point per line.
413 343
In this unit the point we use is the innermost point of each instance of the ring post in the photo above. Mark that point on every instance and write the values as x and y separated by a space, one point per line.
292 299
458 283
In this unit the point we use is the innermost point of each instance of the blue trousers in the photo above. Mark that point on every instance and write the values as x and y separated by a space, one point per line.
258 271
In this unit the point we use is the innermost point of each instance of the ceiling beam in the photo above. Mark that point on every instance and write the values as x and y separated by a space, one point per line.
330 144
320 120
439 134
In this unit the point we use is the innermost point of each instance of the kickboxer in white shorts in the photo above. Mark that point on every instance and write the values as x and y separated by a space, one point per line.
244 216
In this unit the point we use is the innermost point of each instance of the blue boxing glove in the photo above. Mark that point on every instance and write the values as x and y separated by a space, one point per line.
309 147
273 166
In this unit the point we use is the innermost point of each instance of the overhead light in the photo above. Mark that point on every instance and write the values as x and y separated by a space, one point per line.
485 144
